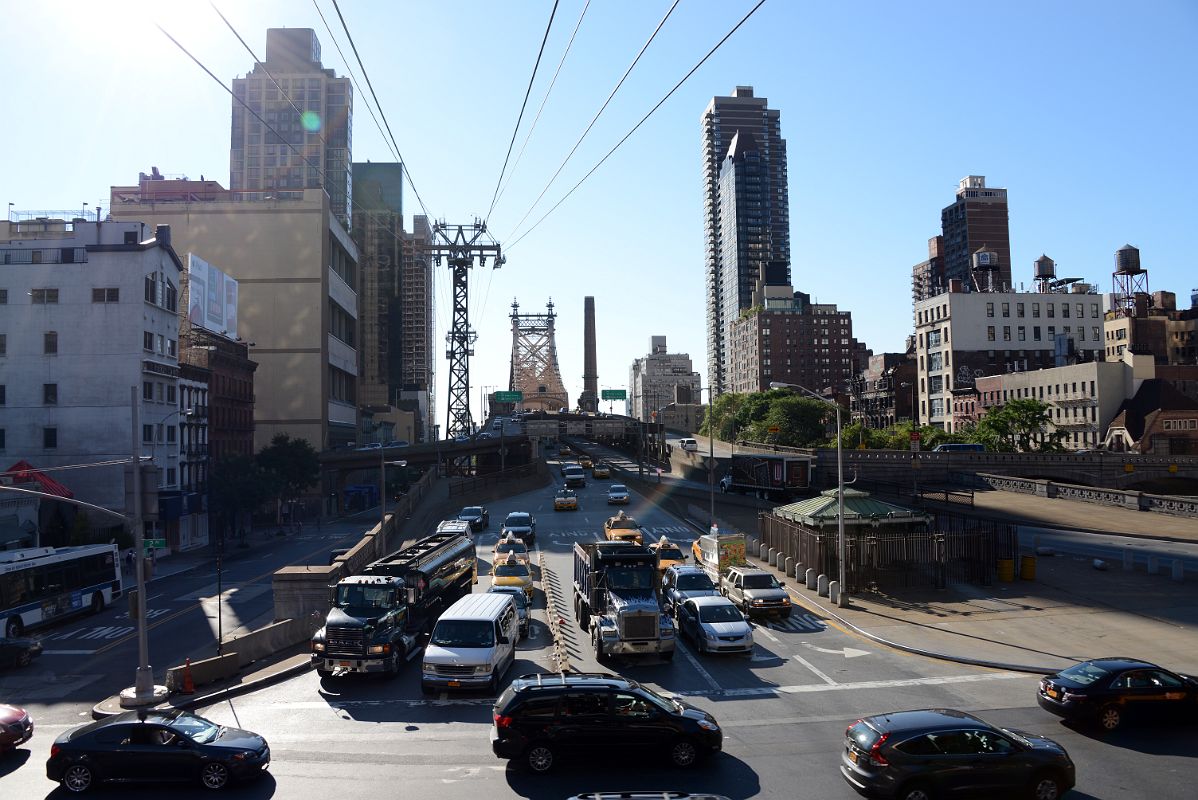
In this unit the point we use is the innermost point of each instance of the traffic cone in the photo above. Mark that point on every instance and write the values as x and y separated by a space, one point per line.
189 686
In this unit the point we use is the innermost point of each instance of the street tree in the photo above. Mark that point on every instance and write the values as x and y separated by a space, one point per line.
1018 426
294 463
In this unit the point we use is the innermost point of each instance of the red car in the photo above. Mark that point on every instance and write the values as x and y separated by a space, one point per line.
16 727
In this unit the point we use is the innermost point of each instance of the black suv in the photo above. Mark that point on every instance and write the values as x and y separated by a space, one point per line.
540 718
914 755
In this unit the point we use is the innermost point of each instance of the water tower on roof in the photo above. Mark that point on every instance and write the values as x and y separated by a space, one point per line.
1045 272
1129 281
984 263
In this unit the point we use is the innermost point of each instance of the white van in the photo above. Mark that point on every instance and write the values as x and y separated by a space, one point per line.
473 644
690 445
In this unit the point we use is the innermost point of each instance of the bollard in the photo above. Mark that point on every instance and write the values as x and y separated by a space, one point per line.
1129 559
800 573
763 552
788 566
834 592
822 586
771 556
1153 564
809 579
1179 570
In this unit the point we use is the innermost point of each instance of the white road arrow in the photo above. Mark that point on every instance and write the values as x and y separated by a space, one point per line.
847 652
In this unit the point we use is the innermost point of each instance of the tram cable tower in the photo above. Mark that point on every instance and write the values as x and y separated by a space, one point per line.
460 245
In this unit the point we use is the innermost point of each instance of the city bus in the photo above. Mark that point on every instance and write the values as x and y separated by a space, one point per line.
45 584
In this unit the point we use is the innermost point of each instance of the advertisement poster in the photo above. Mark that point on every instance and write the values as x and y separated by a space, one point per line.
212 302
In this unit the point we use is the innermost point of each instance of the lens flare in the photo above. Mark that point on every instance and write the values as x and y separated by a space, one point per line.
311 121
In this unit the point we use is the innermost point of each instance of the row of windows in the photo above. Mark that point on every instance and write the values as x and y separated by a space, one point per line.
49 296
49 343
1049 308
157 343
991 333
1048 390
1179 424
49 394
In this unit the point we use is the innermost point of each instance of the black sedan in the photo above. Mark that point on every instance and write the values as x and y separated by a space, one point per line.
18 652
477 516
155 746
1111 691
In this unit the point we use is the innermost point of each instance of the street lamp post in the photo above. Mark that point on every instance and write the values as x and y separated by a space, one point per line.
710 453
840 539
383 489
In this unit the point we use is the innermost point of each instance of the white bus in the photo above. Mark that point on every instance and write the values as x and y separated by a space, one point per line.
45 584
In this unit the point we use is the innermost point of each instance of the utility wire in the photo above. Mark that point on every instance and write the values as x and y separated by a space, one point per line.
403 164
545 99
520 117
626 136
598 113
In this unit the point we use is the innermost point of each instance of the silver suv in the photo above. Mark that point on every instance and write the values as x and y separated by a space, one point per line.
757 592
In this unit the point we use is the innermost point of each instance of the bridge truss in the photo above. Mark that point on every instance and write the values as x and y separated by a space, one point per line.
535 371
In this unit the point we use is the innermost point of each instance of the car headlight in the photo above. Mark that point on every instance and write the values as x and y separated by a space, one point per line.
244 755
786 599
379 649
482 669
428 669
708 725
758 602
318 647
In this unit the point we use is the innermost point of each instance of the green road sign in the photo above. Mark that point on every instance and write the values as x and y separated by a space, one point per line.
613 394
154 544
509 397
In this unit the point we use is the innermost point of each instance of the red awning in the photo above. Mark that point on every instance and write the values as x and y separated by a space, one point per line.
24 472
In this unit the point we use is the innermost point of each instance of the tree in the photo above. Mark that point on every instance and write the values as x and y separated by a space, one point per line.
1018 426
238 484
294 463
800 421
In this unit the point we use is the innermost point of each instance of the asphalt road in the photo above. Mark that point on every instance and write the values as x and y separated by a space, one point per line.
1110 547
784 711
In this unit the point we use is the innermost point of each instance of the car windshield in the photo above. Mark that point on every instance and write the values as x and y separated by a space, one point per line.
669 554
760 582
511 547
511 571
694 583
628 523
468 513
518 521
618 488
463 633
516 594
195 728
720 613
364 598
1085 674
630 578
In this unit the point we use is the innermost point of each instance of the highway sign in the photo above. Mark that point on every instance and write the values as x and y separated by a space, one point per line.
508 397
613 394
154 544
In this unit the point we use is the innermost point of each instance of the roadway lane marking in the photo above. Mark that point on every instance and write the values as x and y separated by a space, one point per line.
808 688
68 652
766 633
822 676
694 662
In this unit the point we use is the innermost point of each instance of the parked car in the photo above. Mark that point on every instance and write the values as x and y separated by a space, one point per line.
540 719
715 625
1111 691
600 471
523 607
165 746
18 652
523 524
617 495
477 516
16 727
565 500
915 755
681 583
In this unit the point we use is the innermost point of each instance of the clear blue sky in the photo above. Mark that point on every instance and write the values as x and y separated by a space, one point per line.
1085 111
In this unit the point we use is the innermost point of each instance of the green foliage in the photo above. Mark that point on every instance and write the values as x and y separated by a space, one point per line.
1018 426
81 528
238 483
293 462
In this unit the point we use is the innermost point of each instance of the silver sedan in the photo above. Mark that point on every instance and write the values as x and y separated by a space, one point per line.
715 625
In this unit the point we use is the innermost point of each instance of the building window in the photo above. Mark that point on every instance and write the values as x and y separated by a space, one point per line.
1094 330
147 434
990 309
1052 332
50 343
1052 310
170 393
1035 310
3 344
3 394
106 295
49 438
151 285
147 341
1019 310
170 476
1064 311
1006 333
43 297
1006 309
3 297
1094 310
2 438
1022 334
147 390
1081 310
990 333
50 394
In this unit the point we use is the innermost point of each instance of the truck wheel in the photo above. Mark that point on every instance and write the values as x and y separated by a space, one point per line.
600 656
392 668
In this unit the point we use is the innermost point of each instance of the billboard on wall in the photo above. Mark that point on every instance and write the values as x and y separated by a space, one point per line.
212 303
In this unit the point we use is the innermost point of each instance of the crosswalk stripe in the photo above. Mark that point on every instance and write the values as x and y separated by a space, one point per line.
808 688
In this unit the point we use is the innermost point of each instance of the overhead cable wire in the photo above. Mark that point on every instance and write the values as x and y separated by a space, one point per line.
545 99
366 76
520 117
598 113
634 129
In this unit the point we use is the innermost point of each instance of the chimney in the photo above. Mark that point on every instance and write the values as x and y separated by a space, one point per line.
162 234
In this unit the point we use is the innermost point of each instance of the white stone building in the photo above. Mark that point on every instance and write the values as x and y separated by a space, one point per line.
661 378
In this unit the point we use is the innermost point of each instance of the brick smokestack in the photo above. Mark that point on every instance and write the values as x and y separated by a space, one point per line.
589 401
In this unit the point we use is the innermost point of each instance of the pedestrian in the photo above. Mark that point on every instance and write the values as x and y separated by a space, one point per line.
129 559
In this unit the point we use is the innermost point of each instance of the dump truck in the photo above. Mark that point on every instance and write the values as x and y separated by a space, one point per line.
616 600
768 476
378 616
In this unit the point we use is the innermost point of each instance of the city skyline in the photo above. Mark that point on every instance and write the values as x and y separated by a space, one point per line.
1093 150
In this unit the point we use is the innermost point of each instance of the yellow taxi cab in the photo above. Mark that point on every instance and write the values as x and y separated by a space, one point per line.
622 528
585 462
668 554
600 470
510 546
564 450
565 500
512 572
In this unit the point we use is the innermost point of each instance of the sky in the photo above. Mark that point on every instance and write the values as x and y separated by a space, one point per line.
1084 111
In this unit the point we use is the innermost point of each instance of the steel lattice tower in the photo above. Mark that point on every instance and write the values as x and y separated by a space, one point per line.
534 360
460 245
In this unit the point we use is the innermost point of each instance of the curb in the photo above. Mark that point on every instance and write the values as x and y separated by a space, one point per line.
98 712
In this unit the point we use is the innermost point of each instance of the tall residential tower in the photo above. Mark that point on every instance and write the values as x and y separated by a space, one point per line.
747 226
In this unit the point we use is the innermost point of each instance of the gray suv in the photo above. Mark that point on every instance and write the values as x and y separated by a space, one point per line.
757 592
681 582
